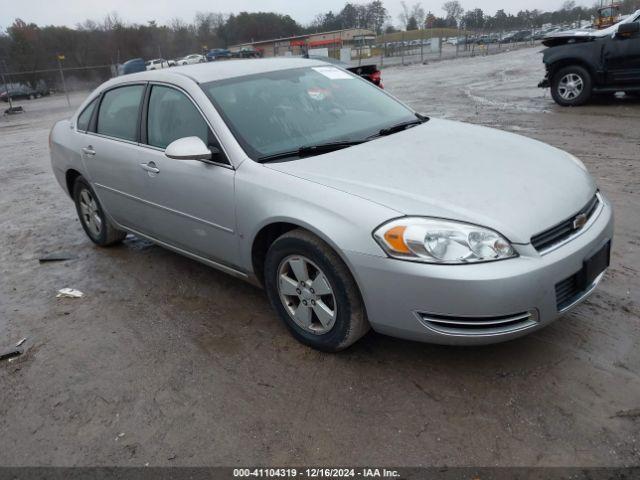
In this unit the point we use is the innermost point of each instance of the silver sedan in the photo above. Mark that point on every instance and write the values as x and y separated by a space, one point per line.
352 210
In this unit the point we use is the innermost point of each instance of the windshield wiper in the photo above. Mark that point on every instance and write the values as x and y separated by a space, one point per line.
400 126
309 150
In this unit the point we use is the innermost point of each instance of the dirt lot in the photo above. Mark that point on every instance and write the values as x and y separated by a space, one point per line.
165 361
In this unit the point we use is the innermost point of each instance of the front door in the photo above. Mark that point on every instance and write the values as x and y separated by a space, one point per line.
190 203
622 59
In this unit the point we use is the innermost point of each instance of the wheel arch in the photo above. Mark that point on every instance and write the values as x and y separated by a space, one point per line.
561 63
273 229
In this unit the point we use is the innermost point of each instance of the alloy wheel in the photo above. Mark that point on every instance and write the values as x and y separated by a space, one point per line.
90 212
306 294
570 86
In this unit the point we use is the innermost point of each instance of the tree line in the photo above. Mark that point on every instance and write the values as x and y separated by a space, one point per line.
27 47
414 17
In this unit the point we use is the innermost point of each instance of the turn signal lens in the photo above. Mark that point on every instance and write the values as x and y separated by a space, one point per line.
395 239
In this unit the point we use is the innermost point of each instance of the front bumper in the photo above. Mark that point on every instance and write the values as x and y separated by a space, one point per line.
546 81
410 300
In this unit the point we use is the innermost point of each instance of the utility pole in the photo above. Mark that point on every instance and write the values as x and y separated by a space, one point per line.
64 85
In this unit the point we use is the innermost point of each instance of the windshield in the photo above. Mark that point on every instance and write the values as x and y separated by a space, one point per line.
282 111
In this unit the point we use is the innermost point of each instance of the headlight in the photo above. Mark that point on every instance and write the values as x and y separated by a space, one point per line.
431 240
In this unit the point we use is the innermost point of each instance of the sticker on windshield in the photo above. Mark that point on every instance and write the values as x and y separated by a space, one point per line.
318 94
333 73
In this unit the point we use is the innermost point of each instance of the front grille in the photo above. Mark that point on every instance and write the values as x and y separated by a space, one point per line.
563 230
478 326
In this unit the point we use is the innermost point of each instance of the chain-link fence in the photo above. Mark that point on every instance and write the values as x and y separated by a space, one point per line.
400 48
404 48
41 82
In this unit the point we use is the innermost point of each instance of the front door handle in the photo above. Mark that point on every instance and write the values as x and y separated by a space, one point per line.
89 151
150 168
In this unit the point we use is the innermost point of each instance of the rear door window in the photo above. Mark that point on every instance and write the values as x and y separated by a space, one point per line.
118 115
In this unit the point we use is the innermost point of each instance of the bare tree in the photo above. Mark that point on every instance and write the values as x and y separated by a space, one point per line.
417 12
112 21
414 14
454 11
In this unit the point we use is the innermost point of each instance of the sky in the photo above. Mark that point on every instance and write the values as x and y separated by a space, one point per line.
71 12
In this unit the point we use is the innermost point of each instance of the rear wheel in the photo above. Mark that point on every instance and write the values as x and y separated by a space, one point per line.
571 86
92 217
313 292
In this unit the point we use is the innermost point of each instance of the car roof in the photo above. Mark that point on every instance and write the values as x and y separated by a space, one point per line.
222 70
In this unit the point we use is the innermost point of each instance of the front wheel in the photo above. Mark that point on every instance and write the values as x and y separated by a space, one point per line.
313 292
92 217
571 86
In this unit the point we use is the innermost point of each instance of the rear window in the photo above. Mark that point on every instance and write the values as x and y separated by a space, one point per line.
85 117
118 115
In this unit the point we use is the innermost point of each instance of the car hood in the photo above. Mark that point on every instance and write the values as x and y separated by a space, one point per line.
459 171
575 36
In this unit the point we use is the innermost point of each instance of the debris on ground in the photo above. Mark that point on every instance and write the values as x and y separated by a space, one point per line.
57 257
14 110
8 354
633 413
24 339
69 293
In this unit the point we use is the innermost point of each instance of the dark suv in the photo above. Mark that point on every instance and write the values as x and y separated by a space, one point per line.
582 63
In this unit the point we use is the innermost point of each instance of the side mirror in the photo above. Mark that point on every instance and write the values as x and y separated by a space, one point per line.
189 148
628 29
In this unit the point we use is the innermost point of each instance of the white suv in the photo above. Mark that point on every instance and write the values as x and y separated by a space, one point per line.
157 64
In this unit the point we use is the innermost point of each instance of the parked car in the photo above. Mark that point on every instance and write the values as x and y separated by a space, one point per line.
191 59
132 66
18 91
350 209
368 72
521 36
218 53
586 62
247 52
157 63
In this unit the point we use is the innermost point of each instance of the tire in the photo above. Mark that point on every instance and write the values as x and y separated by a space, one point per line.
92 218
571 86
327 272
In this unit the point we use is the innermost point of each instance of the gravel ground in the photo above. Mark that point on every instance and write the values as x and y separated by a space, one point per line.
167 362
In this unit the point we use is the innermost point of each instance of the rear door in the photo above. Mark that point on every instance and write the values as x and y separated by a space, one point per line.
111 155
190 202
622 59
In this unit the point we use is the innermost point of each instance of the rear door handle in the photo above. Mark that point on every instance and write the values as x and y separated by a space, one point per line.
89 151
150 167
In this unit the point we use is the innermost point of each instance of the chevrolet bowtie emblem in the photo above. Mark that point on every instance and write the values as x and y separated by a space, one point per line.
579 221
